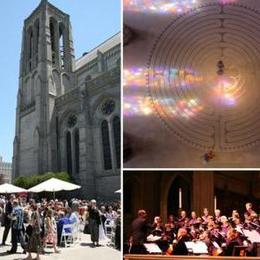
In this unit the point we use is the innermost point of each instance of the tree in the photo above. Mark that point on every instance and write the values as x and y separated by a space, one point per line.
27 182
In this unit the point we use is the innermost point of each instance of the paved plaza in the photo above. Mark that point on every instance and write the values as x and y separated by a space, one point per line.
82 250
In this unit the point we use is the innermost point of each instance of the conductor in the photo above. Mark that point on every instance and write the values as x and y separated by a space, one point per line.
139 231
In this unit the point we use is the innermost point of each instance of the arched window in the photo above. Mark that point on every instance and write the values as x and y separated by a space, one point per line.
178 196
37 29
76 143
61 45
30 48
68 148
116 132
106 146
52 34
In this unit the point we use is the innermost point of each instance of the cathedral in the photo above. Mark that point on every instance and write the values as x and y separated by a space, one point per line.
68 110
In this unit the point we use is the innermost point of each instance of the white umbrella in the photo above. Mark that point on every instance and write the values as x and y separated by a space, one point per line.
53 185
118 191
10 188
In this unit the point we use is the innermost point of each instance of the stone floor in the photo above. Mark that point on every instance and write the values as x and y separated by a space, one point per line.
191 112
82 250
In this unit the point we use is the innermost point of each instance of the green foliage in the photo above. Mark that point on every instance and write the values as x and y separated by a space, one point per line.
28 182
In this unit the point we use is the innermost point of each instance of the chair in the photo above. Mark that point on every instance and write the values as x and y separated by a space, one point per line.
108 228
110 232
67 235
75 232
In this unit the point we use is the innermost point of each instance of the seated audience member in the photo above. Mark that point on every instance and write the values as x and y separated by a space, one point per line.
64 219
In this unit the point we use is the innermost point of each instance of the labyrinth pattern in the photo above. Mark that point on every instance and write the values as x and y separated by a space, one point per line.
192 101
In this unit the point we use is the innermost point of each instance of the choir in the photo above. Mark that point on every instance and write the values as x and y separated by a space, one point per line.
215 235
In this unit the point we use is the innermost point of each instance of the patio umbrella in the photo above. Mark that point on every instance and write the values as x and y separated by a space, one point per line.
54 185
10 188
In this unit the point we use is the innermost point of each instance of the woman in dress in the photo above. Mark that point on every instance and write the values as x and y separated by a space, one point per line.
50 230
34 242
102 235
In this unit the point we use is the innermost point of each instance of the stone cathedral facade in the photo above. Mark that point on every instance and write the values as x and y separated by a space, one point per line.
68 111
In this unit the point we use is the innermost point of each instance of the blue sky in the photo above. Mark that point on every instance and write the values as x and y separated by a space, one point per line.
92 23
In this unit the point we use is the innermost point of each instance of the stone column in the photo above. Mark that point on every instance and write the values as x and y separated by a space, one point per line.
203 191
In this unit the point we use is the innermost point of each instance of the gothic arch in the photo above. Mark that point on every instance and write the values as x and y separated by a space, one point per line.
64 117
52 28
106 145
101 99
34 85
166 183
116 133
30 47
68 145
36 39
76 141
62 46
132 185
36 145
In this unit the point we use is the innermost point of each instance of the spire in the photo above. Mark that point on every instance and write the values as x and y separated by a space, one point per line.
44 2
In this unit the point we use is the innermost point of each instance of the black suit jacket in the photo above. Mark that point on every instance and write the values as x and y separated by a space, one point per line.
8 211
139 231
180 248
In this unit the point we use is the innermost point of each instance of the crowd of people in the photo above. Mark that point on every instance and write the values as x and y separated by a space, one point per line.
37 224
221 235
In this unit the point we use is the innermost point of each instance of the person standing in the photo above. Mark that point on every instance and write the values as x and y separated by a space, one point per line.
50 230
94 222
17 227
7 218
34 243
139 233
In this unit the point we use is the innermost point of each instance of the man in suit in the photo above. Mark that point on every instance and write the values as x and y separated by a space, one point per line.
7 218
139 233
94 222
179 245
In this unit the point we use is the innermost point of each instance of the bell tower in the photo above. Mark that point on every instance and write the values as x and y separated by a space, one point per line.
46 72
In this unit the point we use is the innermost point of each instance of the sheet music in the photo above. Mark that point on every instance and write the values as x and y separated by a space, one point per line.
239 229
152 248
152 238
197 247
189 245
253 236
200 248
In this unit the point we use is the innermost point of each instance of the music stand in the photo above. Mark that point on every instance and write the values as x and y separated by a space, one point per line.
197 248
152 248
